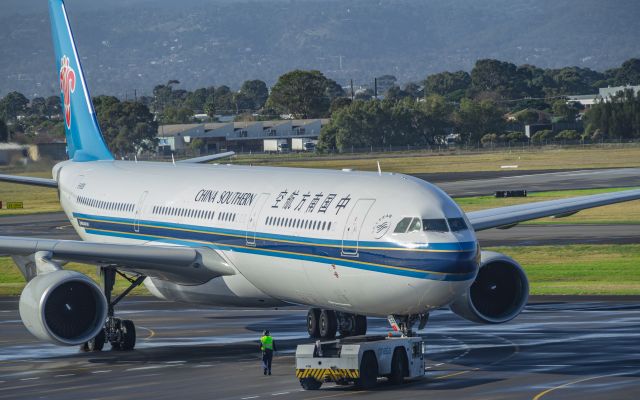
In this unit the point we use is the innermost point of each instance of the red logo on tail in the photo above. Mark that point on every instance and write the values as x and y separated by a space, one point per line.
67 86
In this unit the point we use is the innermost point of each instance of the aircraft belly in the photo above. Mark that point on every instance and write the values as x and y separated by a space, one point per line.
280 278
223 291
343 288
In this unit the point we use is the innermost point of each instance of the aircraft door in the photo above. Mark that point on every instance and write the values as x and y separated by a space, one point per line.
351 233
138 211
252 223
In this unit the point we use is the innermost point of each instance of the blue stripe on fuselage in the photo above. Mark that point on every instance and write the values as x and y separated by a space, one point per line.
439 261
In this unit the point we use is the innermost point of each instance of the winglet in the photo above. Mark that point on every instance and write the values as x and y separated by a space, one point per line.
84 138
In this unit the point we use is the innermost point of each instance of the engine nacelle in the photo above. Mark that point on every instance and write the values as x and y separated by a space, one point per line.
498 294
63 307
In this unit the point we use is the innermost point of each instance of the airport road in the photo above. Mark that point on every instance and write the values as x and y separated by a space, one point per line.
571 348
486 183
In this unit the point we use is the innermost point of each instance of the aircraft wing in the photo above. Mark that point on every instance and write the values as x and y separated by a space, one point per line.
205 159
184 265
511 215
28 180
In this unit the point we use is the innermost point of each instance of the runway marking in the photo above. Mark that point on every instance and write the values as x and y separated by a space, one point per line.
541 394
64 375
152 333
30 379
280 393
148 367
104 371
249 397
456 373
203 366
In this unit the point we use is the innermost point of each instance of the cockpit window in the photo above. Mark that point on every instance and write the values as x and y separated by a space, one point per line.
457 224
435 225
402 225
416 225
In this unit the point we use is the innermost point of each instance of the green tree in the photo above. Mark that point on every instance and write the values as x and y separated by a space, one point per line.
338 103
4 131
447 83
619 117
385 82
475 118
333 90
224 100
628 73
177 115
414 90
394 93
489 138
542 136
210 108
568 134
196 100
127 126
255 92
38 106
12 105
528 116
301 93
53 104
565 112
499 77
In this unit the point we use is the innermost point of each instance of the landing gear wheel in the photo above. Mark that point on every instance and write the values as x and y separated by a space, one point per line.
328 324
346 324
398 366
128 340
313 317
97 343
120 333
361 325
310 384
368 371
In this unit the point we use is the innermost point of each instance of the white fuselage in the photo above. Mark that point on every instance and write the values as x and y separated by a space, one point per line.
317 237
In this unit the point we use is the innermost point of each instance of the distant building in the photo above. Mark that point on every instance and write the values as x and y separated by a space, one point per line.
10 152
604 94
236 136
52 151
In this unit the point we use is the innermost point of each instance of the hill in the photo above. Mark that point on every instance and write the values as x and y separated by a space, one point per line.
136 44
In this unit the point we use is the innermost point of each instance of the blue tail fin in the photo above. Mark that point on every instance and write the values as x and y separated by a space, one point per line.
84 139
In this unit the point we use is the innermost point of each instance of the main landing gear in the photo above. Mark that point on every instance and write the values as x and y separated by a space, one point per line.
120 333
325 324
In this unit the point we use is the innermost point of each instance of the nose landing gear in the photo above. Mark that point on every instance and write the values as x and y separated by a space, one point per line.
324 324
404 323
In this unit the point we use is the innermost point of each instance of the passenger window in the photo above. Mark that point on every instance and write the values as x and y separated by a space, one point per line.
402 225
435 225
416 225
457 224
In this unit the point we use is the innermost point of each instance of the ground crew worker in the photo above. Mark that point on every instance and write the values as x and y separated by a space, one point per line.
267 346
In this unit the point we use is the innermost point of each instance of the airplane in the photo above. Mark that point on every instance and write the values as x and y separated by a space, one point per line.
347 244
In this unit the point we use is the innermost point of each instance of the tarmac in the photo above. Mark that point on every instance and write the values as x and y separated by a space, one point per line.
558 348
573 348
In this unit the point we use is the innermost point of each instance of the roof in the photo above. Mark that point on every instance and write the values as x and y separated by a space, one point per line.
173 130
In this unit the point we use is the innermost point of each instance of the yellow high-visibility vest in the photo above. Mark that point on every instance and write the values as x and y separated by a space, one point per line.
267 343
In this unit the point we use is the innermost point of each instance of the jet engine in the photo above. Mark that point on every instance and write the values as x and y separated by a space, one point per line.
498 294
63 307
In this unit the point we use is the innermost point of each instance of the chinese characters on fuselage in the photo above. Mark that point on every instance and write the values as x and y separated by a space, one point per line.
310 202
